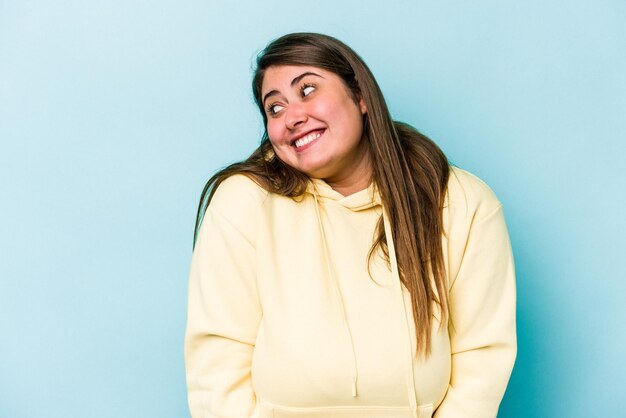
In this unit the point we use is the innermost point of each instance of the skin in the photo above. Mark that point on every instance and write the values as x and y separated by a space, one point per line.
300 101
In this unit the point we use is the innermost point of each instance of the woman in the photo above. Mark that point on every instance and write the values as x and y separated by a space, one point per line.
345 269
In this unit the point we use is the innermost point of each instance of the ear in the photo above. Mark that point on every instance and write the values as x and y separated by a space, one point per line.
362 106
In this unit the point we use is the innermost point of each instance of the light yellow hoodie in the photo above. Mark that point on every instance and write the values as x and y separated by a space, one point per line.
285 321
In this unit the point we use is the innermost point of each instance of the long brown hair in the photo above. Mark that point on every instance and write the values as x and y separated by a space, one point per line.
409 171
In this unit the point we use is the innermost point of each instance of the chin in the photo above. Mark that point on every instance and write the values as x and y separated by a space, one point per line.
318 169
315 172
311 170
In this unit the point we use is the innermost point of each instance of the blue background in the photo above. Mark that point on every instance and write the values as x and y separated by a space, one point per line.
114 114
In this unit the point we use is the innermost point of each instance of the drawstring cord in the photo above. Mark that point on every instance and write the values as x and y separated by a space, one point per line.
398 284
410 384
355 375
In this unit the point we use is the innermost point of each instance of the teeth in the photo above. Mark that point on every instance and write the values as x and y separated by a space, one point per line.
306 139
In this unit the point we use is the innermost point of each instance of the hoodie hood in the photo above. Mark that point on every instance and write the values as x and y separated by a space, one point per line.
361 200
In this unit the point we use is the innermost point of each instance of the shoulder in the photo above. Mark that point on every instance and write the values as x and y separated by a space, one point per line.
236 203
236 193
471 210
468 196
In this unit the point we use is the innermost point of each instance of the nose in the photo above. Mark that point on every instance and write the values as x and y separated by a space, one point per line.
296 115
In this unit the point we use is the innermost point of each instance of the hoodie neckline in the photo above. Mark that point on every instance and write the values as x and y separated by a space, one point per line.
361 200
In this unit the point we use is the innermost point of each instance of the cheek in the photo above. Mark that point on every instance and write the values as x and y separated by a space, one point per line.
342 112
275 133
324 110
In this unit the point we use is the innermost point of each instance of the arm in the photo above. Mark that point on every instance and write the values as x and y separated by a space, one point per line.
223 315
482 318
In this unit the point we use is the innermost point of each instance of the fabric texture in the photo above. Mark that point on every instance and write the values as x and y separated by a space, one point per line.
286 318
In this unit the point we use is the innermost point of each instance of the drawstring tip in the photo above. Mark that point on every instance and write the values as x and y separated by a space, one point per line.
354 394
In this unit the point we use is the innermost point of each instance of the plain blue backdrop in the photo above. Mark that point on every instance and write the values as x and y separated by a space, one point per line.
114 114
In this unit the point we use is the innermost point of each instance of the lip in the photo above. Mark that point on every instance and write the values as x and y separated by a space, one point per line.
305 147
303 134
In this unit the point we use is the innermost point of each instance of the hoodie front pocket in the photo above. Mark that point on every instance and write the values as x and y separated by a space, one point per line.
423 411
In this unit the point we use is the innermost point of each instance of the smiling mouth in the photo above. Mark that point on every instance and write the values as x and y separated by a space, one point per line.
300 142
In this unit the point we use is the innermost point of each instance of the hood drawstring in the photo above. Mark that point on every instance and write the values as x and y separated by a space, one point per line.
355 375
410 377
401 303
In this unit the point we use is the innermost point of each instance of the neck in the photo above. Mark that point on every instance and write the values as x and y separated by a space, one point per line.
354 181
348 189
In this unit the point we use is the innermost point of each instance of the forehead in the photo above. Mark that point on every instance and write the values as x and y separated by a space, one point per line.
279 77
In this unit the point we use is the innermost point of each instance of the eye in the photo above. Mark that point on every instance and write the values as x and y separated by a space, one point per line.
307 89
274 108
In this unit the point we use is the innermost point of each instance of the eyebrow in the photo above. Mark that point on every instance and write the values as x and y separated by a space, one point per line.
293 83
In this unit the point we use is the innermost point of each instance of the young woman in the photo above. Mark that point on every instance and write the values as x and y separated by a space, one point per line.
345 269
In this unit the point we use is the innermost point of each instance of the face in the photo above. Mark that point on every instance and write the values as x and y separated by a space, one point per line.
314 123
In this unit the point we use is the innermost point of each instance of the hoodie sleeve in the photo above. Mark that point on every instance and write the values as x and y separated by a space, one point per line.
223 309
482 320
